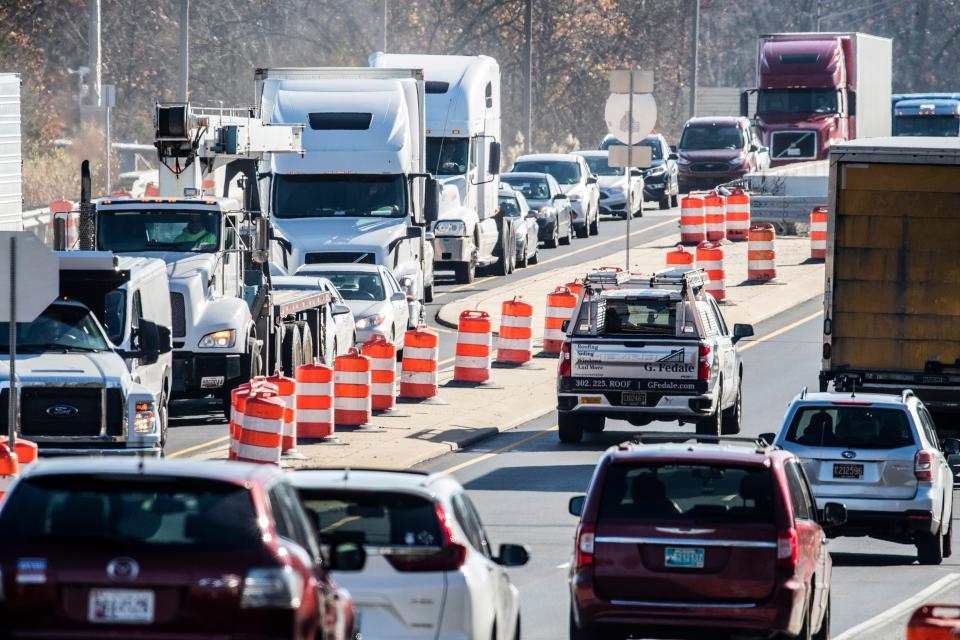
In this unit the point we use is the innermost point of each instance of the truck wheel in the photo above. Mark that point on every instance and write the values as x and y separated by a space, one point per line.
306 338
291 353
731 416
929 548
464 272
502 267
595 225
570 428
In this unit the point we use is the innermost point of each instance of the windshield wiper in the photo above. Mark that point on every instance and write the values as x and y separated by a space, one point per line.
54 345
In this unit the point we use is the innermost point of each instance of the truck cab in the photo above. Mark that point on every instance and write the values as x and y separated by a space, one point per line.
930 114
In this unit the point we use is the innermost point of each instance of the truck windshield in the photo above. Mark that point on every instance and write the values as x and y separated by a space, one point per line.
797 101
703 138
447 156
563 172
330 196
158 230
926 126
67 327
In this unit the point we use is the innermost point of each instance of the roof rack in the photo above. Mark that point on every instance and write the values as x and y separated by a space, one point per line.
675 279
758 444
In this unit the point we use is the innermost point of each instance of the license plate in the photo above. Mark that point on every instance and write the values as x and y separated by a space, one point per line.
211 382
846 471
127 606
683 557
633 398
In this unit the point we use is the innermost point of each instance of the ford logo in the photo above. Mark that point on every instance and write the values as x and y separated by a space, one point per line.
62 411
849 454
123 569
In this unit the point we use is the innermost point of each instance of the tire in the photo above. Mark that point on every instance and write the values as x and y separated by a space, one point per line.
929 548
805 633
595 225
465 272
428 293
535 258
292 350
593 424
569 428
569 237
823 633
523 261
582 633
306 340
664 202
731 416
948 538
584 231
555 240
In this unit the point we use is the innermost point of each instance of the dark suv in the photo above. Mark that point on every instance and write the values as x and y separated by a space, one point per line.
706 536
125 548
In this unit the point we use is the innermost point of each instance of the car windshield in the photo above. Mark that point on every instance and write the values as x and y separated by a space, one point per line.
599 167
850 427
374 518
447 156
509 207
926 125
564 172
60 326
702 138
355 285
531 188
328 196
797 101
158 230
129 512
639 315
687 492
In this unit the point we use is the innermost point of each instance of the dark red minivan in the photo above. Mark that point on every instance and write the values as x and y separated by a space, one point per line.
104 548
695 539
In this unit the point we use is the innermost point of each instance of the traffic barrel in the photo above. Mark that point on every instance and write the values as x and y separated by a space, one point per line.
314 401
383 371
26 454
710 259
738 214
64 210
238 403
515 341
818 233
692 222
351 389
761 255
9 469
576 287
715 217
152 190
934 622
560 305
679 258
418 372
287 394
472 361
261 436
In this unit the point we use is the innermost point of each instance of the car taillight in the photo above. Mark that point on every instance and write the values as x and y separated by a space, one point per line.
272 588
584 546
563 369
703 371
923 465
788 548
450 557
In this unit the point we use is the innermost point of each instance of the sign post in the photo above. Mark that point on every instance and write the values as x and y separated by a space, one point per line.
29 282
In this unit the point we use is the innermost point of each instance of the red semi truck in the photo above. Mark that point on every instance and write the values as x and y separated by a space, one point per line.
818 89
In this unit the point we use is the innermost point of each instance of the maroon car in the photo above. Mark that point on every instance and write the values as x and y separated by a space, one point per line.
689 539
164 549
717 150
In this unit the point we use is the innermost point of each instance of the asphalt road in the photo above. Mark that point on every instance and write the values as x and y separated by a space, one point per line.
194 424
521 482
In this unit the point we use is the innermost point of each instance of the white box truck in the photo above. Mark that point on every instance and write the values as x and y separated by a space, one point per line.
11 196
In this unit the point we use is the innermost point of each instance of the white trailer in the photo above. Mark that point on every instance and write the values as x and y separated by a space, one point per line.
11 196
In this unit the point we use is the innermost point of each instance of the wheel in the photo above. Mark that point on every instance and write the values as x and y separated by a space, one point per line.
291 352
595 225
664 202
570 428
516 632
581 633
569 237
584 231
593 424
929 548
523 261
535 258
464 272
948 538
823 633
306 340
805 633
555 238
428 293
731 416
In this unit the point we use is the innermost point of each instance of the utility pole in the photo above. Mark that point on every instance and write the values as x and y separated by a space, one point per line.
528 79
183 81
382 40
93 38
694 61
819 15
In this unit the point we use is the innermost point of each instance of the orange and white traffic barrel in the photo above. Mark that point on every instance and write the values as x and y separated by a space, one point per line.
692 221
418 372
818 233
238 402
351 389
474 337
761 255
738 215
287 394
64 210
934 622
314 401
576 287
710 259
560 305
26 454
261 437
714 207
515 341
383 371
9 469
679 258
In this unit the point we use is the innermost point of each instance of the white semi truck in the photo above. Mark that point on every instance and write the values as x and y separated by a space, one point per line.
11 197
463 152
359 192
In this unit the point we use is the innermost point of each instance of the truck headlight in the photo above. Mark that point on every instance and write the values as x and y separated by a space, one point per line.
143 418
369 322
223 339
450 228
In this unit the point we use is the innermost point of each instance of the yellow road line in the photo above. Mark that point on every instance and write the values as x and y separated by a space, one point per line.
780 331
487 456
203 445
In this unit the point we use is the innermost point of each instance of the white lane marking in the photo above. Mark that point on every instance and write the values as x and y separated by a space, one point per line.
905 607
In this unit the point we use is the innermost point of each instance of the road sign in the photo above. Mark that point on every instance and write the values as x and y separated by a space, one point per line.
620 81
617 115
640 156
37 275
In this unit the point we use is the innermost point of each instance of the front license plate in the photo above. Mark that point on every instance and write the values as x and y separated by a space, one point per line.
846 471
683 557
127 606
633 399
211 382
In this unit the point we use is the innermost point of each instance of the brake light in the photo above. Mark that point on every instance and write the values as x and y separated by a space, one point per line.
788 548
450 557
923 465
703 371
563 370
584 546
827 350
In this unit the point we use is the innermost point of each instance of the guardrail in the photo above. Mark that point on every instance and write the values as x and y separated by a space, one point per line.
786 195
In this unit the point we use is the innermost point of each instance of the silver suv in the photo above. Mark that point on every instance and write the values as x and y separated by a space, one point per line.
879 455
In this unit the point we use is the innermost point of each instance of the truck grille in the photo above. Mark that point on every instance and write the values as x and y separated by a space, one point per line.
178 310
330 257
66 411
709 166
793 145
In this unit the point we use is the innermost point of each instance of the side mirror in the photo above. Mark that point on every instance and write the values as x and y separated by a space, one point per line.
513 555
347 556
339 309
560 196
575 506
768 438
591 179
741 331
951 446
673 156
834 515
851 103
745 104
399 296
565 325
431 199
414 232
493 167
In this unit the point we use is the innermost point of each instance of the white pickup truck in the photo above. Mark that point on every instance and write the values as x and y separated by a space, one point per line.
645 349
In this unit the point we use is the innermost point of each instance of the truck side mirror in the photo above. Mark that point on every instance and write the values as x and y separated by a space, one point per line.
165 339
745 104
414 232
149 341
261 250
741 331
851 103
431 199
494 164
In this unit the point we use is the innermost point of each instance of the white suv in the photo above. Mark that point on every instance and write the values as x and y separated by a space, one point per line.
880 456
431 572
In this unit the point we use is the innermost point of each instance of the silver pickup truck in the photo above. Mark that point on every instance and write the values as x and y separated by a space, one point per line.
645 349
